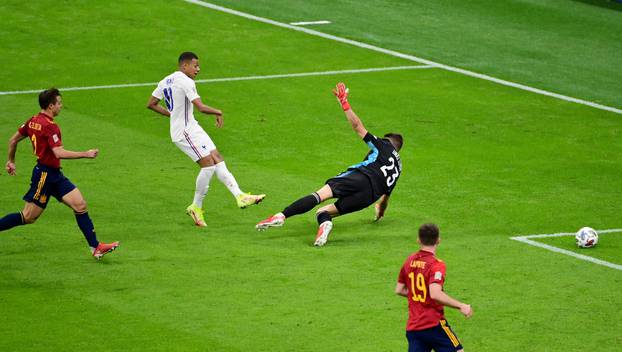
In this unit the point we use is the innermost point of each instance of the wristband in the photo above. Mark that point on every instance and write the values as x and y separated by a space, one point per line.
345 105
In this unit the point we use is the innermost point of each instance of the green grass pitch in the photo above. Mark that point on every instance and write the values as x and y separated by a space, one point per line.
608 248
484 161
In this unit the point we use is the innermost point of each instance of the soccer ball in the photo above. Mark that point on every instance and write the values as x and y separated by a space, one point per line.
587 237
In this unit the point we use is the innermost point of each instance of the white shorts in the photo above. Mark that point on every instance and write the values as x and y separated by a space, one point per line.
196 145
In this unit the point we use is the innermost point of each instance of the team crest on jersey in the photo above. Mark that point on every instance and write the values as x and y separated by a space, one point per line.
43 199
55 138
438 275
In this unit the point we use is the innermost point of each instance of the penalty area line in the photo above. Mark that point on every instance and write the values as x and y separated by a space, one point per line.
233 79
528 240
405 56
307 23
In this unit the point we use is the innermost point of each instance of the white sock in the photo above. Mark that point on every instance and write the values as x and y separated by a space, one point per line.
202 184
227 179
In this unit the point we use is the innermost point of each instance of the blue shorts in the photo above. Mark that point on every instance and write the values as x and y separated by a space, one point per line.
45 182
439 338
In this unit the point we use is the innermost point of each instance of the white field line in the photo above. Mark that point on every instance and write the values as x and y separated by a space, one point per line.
309 23
405 56
231 79
527 240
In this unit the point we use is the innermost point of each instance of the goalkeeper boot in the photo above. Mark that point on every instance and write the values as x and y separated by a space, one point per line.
273 221
246 199
322 233
196 214
104 248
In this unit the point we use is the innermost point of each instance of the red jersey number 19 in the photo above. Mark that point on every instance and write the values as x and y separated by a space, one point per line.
418 287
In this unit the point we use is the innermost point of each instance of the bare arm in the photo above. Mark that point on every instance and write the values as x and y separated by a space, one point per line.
341 92
61 153
437 294
401 290
10 164
154 104
357 124
381 206
207 110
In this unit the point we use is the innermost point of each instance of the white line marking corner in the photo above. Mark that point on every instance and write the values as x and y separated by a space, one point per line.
232 79
527 240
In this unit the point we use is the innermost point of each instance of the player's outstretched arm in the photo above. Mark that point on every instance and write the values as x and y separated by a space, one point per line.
357 124
61 153
437 294
381 207
209 111
154 104
10 164
341 92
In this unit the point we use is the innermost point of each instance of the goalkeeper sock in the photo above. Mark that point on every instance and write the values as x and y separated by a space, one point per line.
302 205
323 217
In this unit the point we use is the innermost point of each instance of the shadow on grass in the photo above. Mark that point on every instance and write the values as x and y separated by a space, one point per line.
608 4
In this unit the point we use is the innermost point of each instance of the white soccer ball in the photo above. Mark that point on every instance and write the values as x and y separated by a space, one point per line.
587 237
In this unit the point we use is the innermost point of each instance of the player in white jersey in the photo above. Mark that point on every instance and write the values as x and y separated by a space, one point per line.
180 97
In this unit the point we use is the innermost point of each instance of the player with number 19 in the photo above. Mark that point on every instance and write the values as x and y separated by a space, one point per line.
421 281
356 188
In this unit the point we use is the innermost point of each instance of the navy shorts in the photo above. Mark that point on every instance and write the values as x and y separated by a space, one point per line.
439 338
353 191
45 182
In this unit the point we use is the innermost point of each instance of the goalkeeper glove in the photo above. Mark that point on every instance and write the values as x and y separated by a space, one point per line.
341 92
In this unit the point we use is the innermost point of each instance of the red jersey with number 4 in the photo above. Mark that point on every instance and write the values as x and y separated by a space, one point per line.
418 272
44 135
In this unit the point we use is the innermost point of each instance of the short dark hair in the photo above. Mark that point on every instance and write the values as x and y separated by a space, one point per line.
428 234
48 97
187 56
396 139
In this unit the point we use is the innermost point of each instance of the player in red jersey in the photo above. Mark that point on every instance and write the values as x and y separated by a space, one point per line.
47 179
421 281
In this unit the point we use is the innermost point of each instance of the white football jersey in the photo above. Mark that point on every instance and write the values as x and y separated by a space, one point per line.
178 92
